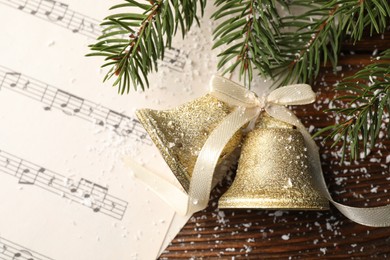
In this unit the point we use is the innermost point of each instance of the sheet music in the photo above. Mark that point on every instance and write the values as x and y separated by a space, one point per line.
83 191
58 13
12 251
72 105
65 192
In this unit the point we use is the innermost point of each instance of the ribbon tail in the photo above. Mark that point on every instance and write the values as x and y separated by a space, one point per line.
172 195
373 216
369 216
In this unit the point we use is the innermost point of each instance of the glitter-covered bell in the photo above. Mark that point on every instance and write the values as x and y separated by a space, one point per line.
273 171
180 133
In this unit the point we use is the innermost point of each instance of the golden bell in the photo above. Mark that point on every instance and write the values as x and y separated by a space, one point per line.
180 133
273 171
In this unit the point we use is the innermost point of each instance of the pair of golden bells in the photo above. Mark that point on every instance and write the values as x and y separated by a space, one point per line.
273 169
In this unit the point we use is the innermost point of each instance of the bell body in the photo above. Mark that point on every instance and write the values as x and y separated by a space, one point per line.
180 133
273 171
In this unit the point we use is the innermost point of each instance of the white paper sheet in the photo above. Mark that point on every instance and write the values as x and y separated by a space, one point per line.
64 191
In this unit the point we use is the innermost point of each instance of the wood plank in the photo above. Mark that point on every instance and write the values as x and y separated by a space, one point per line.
267 234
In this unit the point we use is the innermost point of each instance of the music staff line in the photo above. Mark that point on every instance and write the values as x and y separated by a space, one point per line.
72 105
12 251
84 192
58 13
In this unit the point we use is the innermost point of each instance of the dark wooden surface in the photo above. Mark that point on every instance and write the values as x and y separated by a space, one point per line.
266 234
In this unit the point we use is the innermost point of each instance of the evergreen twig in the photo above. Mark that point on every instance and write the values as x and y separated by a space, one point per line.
254 35
257 38
249 29
291 48
367 99
133 42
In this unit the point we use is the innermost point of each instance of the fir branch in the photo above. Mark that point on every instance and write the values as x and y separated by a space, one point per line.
292 48
250 35
319 31
311 42
253 34
368 107
364 14
133 42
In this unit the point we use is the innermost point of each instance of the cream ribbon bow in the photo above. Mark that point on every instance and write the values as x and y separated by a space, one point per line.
247 108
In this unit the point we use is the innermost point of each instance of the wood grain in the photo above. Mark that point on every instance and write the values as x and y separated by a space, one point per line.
267 234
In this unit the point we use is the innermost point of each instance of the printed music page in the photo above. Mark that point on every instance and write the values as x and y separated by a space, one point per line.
65 191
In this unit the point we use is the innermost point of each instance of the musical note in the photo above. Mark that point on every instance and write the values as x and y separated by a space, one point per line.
130 129
52 3
123 124
24 254
28 177
21 7
175 59
98 193
72 105
35 11
79 26
53 98
174 53
86 192
94 194
24 178
70 184
60 14
99 122
13 251
56 6
114 119
14 77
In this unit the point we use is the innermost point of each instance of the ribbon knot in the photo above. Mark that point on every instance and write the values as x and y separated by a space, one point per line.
260 105
234 94
261 102
246 108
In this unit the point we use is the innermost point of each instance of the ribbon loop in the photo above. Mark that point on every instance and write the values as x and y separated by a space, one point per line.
298 94
232 93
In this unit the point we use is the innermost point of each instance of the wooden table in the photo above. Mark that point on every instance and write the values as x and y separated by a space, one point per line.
267 234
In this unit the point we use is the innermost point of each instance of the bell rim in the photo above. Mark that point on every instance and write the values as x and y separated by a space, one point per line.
288 205
278 208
